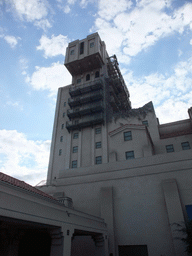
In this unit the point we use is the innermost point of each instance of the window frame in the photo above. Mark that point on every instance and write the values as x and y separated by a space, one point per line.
98 160
185 145
145 122
88 77
74 164
91 45
75 149
98 130
60 152
131 156
97 74
61 139
72 52
75 135
81 48
62 126
169 148
126 136
98 144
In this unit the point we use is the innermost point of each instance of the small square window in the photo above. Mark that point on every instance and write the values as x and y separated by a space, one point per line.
129 155
185 145
63 114
127 136
62 126
61 139
91 44
78 80
72 52
98 130
145 122
60 152
169 148
76 135
75 149
74 164
98 160
98 144
64 104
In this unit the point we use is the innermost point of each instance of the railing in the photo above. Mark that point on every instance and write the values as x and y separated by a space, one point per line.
82 99
87 87
85 122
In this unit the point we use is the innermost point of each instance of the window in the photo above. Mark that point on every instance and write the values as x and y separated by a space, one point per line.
189 211
170 148
81 48
61 139
64 104
87 77
62 126
127 136
98 130
185 145
63 114
74 164
72 52
98 144
96 74
98 160
78 80
129 155
60 152
75 149
145 122
76 135
91 44
76 121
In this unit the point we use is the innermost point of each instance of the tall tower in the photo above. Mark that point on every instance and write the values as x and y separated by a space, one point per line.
85 107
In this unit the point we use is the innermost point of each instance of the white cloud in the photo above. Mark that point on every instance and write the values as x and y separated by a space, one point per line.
54 46
23 158
15 104
31 11
191 41
50 78
172 95
141 26
11 40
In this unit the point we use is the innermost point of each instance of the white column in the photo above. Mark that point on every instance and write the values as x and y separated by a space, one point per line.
101 245
67 236
108 215
175 214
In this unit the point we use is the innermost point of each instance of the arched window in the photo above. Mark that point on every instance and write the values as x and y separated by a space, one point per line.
87 77
96 74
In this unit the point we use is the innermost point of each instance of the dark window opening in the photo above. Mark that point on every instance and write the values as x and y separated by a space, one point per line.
87 77
74 164
129 155
96 74
81 48
127 136
98 160
98 144
170 148
185 145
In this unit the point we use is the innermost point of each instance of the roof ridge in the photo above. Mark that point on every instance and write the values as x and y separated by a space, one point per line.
23 185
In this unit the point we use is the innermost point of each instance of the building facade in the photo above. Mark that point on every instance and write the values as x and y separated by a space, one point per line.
116 162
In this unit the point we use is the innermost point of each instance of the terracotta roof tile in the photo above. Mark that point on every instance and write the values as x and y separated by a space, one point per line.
21 184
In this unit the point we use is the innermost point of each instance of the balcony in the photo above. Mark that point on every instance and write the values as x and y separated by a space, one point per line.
86 88
85 99
85 122
87 109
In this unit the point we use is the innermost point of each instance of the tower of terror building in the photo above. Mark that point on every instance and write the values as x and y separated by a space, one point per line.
117 162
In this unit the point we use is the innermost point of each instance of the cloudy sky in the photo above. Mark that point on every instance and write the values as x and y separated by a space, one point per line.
151 38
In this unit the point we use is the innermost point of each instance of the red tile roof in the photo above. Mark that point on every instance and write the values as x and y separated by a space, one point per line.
21 184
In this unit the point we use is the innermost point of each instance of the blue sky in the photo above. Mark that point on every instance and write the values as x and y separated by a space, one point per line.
151 38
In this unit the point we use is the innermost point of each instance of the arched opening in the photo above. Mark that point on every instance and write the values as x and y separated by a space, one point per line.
96 74
87 77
